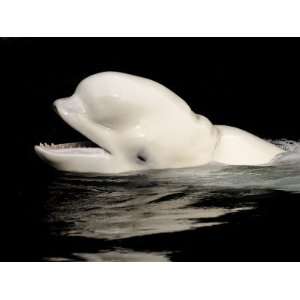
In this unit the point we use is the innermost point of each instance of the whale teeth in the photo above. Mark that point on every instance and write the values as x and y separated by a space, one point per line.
53 146
46 145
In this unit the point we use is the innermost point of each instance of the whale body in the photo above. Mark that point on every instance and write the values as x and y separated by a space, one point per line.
133 123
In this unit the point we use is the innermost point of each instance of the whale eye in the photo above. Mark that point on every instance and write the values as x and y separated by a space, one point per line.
141 157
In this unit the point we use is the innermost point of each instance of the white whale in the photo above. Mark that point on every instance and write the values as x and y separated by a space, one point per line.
138 124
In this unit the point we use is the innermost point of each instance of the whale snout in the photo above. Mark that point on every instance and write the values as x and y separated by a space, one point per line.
68 105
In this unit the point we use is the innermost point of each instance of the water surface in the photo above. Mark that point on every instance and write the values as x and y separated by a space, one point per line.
213 212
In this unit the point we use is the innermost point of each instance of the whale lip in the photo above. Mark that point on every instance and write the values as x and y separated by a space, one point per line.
75 148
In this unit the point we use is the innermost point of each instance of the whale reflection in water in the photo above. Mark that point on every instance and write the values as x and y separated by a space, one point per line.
117 209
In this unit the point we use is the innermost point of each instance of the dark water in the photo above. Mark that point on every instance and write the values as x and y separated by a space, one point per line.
211 213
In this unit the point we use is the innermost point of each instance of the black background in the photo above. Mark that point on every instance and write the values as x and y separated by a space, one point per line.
251 83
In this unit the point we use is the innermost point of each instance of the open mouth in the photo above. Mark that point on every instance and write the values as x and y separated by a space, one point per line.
93 154
68 111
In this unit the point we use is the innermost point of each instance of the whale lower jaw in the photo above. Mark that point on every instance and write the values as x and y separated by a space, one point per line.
86 147
83 157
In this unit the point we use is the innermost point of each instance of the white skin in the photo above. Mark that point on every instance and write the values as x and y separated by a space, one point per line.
139 124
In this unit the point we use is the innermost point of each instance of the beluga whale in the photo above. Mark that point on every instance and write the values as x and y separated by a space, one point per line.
133 124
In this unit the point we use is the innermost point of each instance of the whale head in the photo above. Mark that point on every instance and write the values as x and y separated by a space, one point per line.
131 123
